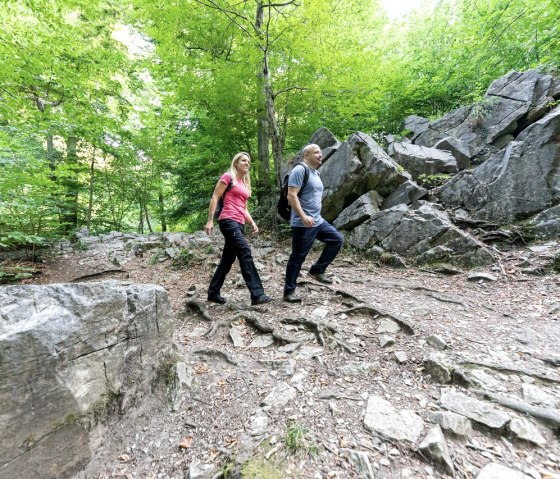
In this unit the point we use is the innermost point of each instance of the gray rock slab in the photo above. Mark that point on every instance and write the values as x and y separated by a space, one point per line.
535 395
435 448
524 429
261 341
358 166
457 148
280 395
388 326
421 160
359 211
77 345
436 341
401 357
259 425
405 194
524 178
236 335
181 384
437 366
385 340
494 470
479 411
361 462
400 425
450 421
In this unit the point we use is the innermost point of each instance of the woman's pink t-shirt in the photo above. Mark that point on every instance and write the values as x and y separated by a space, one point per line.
235 201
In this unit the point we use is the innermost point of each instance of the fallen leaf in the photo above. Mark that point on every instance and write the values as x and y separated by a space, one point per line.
186 442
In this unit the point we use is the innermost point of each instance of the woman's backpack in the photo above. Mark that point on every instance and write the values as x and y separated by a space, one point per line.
220 205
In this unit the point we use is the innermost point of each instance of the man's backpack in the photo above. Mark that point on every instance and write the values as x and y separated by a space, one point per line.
220 205
284 208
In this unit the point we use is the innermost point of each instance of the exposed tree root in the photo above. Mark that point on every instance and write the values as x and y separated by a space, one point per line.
199 307
218 353
337 395
345 294
548 415
376 310
255 322
510 369
321 331
100 273
444 299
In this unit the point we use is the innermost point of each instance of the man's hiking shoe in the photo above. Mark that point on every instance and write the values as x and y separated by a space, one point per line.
292 298
216 298
263 299
321 277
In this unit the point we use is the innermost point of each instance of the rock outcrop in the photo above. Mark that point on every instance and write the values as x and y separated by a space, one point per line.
70 354
513 138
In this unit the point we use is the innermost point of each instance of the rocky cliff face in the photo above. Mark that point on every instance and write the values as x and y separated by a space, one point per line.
70 353
503 159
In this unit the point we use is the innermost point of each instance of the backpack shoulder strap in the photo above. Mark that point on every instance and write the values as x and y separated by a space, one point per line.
305 175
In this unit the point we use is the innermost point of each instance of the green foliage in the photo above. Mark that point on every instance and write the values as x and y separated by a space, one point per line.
300 440
433 181
183 259
14 274
91 135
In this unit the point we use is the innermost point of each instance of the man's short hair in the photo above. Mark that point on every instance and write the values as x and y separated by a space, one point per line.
308 148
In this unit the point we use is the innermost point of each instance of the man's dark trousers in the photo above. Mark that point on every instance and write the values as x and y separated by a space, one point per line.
302 241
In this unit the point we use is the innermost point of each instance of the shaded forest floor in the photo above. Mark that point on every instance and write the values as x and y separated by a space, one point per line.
328 374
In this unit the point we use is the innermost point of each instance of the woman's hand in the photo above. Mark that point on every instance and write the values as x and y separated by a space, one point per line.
209 227
255 228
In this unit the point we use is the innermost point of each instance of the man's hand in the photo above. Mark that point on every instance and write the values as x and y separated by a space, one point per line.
209 227
308 221
255 228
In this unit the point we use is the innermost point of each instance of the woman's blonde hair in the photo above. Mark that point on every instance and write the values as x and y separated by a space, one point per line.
233 171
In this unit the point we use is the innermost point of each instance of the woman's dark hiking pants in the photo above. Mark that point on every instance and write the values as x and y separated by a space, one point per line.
236 246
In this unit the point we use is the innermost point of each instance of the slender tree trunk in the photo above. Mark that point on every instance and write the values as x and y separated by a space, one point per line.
141 220
147 218
91 183
51 156
70 216
162 213
262 113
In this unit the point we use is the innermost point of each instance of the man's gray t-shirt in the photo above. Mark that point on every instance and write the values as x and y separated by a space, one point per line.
310 196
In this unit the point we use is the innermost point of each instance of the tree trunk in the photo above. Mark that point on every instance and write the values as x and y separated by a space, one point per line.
262 113
70 215
162 213
91 183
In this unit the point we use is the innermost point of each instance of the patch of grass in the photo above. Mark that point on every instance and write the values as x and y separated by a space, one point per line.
183 260
260 469
300 440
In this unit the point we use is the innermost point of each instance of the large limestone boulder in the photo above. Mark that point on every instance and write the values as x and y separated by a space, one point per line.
328 143
361 210
68 354
511 103
358 166
406 194
423 232
421 160
518 182
546 224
